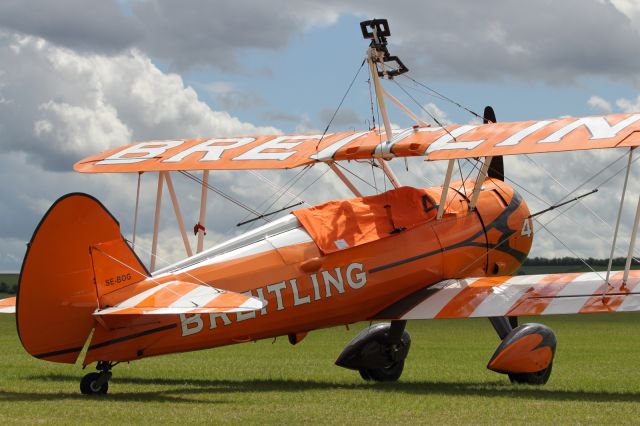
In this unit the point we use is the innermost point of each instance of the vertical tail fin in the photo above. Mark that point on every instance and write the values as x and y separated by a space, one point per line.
75 256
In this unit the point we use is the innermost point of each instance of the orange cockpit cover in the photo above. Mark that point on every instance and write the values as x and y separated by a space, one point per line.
341 224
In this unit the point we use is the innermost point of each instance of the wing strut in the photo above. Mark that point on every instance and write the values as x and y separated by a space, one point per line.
203 210
615 232
482 174
156 223
406 110
632 244
344 179
378 54
445 188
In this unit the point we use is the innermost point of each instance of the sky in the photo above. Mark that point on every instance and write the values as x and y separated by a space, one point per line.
78 77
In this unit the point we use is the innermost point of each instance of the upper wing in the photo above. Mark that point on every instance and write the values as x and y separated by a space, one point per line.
549 294
8 305
178 297
435 143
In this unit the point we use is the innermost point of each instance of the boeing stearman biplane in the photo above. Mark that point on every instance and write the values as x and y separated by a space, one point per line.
408 253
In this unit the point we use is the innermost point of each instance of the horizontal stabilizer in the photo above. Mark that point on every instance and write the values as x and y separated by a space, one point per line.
179 297
433 143
522 295
8 305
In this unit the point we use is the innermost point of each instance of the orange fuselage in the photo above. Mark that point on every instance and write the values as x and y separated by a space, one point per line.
308 288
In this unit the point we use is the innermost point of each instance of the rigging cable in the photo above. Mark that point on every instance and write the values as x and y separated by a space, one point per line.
326 129
274 185
443 97
221 193
425 110
354 175
286 188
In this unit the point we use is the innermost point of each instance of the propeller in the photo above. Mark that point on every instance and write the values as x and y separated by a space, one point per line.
496 168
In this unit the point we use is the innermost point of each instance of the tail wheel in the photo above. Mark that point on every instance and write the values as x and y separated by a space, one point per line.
91 384
539 378
389 373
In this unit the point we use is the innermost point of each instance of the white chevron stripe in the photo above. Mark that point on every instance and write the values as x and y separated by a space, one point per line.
8 310
132 301
503 297
198 297
583 287
430 307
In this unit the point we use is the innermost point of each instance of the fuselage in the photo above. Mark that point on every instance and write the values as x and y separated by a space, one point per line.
318 276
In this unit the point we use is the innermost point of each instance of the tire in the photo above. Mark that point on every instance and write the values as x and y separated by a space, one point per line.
364 373
539 378
87 385
390 373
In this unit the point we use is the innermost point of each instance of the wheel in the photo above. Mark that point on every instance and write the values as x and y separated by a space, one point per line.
364 373
390 373
539 378
88 385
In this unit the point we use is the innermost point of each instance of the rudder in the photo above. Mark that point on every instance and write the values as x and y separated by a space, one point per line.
76 255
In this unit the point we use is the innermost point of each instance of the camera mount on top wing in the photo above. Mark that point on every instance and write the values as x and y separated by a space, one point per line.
377 30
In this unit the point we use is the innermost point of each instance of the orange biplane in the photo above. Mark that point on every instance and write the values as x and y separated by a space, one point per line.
408 253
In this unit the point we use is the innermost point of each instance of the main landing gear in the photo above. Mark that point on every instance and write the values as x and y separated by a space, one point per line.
97 383
525 353
378 352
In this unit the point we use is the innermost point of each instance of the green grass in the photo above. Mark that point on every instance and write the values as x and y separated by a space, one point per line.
596 379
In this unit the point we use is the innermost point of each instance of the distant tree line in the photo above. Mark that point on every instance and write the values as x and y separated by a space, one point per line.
569 261
8 288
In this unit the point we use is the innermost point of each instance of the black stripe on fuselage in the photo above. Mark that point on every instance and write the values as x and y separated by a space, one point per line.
56 353
500 224
132 336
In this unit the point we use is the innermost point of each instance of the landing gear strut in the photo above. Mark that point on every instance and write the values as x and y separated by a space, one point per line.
97 383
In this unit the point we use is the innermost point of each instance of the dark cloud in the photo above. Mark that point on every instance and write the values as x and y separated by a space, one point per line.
78 24
282 116
205 32
345 119
554 41
230 98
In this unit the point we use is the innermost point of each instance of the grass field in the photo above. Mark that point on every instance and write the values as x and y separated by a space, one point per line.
595 381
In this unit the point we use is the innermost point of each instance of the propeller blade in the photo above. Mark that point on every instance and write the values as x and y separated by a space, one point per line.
496 168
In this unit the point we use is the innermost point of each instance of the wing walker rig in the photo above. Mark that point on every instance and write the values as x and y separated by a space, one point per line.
408 253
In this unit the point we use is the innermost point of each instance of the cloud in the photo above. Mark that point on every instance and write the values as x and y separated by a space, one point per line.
629 105
345 119
63 105
631 8
281 116
229 97
97 26
432 111
623 105
493 40
499 40
599 104
210 33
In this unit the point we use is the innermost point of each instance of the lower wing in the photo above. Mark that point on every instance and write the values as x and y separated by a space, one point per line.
548 294
8 305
